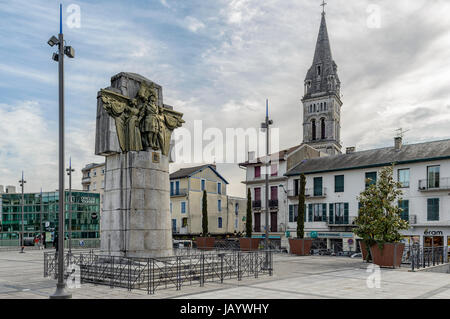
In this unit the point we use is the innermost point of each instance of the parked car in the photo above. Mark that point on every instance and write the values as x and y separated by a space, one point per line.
356 255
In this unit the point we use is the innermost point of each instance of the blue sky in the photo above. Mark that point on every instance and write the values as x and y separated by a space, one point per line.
218 61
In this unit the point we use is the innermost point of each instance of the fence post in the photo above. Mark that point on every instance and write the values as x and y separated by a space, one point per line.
256 257
129 274
112 272
271 263
178 273
239 265
221 267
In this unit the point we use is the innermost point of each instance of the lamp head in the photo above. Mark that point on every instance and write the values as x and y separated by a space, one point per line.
53 41
55 57
69 51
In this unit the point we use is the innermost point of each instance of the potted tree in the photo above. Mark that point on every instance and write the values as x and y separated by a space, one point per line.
379 222
249 243
301 246
205 241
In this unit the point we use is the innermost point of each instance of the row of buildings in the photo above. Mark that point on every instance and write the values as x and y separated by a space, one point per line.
334 181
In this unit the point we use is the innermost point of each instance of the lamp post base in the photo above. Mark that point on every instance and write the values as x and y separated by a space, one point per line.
61 293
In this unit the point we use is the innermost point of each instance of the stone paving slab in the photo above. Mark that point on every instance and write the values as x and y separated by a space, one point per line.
313 277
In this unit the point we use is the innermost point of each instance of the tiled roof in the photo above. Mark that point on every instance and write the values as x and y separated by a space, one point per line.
375 158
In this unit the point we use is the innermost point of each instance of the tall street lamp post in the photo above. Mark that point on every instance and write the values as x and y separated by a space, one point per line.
266 126
60 292
69 172
22 246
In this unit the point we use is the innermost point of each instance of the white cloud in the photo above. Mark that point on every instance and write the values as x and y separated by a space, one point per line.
193 24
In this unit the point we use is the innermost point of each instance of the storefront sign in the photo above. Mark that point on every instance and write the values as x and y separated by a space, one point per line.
433 233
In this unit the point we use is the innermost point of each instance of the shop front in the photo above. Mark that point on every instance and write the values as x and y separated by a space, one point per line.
334 241
429 237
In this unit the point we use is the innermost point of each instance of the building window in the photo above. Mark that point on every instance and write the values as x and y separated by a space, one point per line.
171 207
325 105
103 171
257 171
219 188
95 172
274 169
322 124
433 176
184 222
318 186
219 205
339 214
404 205
257 193
319 212
371 178
403 177
339 184
236 208
313 129
183 207
174 225
94 187
103 183
293 213
219 222
203 184
318 70
433 209
274 192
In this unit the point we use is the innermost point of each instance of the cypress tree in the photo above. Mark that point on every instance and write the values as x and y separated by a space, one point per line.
249 221
301 208
205 215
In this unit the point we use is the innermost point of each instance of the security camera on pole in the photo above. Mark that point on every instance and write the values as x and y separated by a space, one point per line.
60 292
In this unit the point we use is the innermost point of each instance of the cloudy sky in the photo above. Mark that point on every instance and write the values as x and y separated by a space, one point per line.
218 61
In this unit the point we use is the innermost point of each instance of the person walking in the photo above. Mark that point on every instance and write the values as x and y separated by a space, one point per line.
55 242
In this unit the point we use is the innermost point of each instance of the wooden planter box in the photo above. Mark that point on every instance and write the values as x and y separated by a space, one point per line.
300 247
363 248
205 243
389 256
247 244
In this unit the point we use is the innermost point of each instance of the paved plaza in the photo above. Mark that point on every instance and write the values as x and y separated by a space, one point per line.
21 276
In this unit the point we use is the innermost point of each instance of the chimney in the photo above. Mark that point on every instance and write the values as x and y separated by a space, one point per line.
398 143
251 157
350 150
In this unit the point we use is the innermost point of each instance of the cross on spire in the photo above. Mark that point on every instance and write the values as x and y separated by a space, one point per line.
323 6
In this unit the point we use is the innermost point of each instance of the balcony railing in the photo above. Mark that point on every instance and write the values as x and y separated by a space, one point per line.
341 220
293 192
434 184
256 204
273 203
178 192
316 193
86 179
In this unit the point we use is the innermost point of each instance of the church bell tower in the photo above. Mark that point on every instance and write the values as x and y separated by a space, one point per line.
321 101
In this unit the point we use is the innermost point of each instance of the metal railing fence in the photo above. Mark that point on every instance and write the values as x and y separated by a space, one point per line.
150 274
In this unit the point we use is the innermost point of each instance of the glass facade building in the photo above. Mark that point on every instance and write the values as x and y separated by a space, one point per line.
41 214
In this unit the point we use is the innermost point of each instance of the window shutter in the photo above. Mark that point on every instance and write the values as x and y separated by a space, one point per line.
304 215
331 214
324 212
346 221
291 213
310 214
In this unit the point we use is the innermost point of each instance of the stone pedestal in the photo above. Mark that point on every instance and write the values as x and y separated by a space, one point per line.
136 213
135 221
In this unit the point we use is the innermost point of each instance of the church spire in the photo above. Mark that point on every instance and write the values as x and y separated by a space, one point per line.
322 76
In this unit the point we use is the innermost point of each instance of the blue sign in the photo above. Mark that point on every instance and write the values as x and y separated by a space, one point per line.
313 234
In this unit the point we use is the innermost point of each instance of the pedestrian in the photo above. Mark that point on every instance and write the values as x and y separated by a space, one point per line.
36 241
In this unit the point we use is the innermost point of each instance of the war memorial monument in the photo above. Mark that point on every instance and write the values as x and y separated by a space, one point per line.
133 132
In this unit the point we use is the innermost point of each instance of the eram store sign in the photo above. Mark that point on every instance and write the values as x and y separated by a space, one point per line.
433 232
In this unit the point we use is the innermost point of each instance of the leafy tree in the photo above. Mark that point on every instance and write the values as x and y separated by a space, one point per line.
249 220
205 214
379 219
301 208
